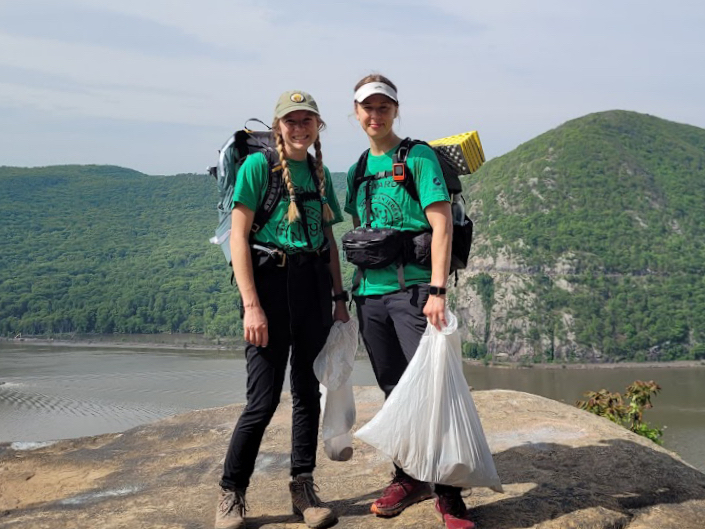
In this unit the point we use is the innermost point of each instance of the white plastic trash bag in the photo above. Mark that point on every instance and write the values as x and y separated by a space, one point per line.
333 368
338 419
429 424
335 362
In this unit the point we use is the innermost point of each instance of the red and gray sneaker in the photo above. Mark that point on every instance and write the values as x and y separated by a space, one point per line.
402 492
453 511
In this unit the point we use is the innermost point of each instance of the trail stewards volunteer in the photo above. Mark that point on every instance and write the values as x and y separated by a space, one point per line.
288 279
395 303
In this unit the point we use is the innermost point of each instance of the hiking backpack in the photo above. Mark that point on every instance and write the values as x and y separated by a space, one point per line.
451 168
231 157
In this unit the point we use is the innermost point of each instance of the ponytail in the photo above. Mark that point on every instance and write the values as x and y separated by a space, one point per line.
293 213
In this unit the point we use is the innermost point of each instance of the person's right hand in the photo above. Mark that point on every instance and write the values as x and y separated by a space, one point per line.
256 327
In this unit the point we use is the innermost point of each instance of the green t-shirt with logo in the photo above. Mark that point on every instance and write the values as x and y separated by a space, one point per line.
393 207
251 189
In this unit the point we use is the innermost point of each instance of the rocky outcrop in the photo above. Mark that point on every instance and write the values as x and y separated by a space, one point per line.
561 468
509 328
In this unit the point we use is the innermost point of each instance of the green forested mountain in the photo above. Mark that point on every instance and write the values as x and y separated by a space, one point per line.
106 249
591 243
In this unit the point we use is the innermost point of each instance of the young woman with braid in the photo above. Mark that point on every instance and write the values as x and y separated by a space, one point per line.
288 274
393 317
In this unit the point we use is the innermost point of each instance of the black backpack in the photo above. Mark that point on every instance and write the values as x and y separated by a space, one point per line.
462 225
231 157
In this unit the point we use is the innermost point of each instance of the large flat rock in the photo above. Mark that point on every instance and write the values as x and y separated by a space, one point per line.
562 468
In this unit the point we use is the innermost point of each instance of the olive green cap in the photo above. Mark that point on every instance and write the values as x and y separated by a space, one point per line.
295 100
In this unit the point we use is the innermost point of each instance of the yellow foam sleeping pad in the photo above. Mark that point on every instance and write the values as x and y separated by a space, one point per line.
463 151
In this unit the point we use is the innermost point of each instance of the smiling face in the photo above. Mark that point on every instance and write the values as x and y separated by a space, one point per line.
376 115
299 130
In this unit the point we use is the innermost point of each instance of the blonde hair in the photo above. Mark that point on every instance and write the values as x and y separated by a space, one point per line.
293 213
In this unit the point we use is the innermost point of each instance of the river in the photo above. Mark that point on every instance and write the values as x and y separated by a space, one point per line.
57 392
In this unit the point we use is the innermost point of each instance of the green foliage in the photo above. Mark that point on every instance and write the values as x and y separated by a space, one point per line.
613 204
474 350
629 414
102 249
484 286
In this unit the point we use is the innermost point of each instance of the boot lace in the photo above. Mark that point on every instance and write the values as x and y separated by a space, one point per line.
309 490
232 499
399 481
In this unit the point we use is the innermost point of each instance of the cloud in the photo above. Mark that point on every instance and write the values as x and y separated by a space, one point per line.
78 24
509 69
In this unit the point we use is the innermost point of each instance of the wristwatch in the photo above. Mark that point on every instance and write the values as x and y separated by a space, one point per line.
343 296
436 291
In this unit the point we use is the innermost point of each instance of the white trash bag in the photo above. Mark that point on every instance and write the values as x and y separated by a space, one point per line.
429 425
333 368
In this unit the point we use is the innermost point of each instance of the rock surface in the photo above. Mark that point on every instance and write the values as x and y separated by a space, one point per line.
562 468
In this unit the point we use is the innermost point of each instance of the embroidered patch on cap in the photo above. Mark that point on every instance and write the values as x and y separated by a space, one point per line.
297 98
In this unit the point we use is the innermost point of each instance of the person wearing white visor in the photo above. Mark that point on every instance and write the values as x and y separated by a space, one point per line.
395 303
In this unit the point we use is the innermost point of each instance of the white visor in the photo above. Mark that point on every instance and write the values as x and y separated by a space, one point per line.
373 88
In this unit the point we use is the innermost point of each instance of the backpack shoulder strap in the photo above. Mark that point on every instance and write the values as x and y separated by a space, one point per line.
314 174
360 170
275 186
400 157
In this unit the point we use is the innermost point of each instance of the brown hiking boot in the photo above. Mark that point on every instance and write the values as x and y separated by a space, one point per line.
231 510
306 503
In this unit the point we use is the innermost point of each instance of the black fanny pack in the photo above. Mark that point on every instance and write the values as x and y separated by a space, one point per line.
382 247
373 247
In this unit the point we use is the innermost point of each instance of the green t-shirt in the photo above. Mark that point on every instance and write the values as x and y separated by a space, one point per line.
393 207
251 188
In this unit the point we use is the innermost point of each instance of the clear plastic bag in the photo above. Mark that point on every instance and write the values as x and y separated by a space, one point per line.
429 425
333 368
335 362
338 419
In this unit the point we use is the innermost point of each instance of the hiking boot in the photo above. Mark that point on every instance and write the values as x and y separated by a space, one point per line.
399 494
453 511
231 510
306 503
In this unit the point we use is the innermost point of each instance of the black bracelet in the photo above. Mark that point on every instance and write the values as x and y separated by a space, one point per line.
436 291
343 296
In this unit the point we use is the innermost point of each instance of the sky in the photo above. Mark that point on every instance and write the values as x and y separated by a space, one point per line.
159 85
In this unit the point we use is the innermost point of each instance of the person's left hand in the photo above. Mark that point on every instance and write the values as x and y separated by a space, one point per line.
435 311
340 313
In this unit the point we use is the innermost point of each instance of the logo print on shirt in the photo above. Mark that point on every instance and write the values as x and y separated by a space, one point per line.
295 231
386 212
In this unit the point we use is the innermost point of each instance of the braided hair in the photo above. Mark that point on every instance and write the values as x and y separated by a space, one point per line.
293 213
321 173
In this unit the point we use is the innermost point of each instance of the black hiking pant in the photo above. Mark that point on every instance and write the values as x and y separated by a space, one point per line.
297 301
391 326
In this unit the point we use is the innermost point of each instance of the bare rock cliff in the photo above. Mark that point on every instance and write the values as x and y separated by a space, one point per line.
561 468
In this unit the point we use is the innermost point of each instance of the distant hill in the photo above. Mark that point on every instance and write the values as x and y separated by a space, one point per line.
107 249
590 244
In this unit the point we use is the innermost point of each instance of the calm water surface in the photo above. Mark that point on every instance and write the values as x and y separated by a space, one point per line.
55 392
